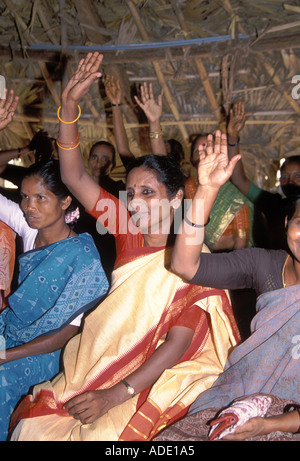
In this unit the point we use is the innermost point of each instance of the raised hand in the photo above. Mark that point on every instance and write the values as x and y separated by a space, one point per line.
86 73
214 168
8 107
113 89
152 109
237 119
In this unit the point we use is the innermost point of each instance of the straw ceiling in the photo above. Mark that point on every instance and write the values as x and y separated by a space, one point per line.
202 54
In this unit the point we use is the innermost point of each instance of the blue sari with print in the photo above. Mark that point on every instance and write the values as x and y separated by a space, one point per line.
57 283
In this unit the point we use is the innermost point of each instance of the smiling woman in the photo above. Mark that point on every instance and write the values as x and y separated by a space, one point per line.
155 341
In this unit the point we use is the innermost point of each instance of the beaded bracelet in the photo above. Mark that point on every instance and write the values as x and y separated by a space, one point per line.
68 123
116 105
198 226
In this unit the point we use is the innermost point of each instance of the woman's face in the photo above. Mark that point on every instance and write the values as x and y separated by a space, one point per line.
148 202
42 208
290 178
293 234
100 160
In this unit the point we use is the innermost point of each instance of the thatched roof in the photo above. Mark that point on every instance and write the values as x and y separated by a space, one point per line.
202 54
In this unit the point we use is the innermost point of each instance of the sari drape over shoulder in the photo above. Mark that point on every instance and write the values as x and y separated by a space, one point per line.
268 362
145 301
56 284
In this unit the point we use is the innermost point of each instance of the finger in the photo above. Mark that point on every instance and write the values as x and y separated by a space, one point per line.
231 165
217 146
139 103
151 91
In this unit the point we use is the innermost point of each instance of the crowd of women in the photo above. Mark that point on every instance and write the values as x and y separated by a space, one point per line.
151 350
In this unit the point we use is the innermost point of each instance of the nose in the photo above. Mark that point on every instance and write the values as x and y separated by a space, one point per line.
27 204
137 204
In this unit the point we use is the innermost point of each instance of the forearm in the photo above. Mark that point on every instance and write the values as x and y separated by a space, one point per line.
287 422
8 155
158 146
189 241
41 344
120 133
238 177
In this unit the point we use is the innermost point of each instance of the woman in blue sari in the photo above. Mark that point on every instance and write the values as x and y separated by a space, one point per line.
60 278
268 362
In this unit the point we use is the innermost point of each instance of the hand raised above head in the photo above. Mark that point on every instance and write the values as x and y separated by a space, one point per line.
8 107
214 168
147 103
113 89
237 119
86 73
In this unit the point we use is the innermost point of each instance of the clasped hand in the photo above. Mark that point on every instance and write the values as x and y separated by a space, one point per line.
91 405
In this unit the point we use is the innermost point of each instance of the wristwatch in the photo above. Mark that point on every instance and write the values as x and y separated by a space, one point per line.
130 389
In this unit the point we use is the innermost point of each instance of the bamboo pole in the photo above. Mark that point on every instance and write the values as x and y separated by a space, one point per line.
159 73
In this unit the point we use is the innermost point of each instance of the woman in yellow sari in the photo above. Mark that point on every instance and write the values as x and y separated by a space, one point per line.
155 343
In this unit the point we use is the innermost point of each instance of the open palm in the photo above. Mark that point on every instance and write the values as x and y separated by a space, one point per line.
8 107
214 169
86 73
152 109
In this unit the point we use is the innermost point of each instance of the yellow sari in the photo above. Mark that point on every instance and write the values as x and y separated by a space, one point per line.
145 300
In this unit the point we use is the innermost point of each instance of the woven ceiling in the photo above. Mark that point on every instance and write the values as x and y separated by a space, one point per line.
203 55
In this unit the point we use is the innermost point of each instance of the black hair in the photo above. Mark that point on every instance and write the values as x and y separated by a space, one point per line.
50 173
291 208
167 169
108 144
177 151
292 159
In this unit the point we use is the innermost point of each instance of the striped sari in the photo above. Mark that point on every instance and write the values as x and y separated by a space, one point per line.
145 301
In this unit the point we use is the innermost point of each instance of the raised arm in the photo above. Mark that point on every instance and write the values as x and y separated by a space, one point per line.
114 93
153 111
214 170
73 171
237 119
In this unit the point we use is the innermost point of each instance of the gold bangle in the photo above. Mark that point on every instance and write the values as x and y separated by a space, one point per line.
68 148
155 134
68 123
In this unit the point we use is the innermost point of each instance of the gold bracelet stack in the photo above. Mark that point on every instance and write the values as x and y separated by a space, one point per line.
155 134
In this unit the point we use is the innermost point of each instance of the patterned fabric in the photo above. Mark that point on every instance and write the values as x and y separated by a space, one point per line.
268 361
229 203
7 261
118 337
195 427
56 284
232 213
237 414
